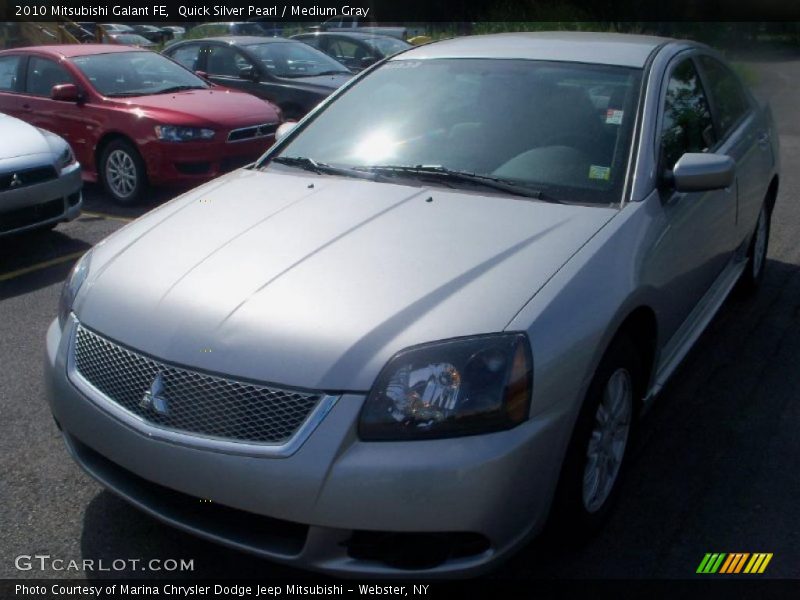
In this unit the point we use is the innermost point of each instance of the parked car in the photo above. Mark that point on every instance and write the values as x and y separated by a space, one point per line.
342 23
134 117
285 72
177 32
130 39
157 35
40 180
255 28
430 316
110 28
356 51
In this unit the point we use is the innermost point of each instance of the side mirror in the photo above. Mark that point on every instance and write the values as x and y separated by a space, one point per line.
367 61
283 129
700 172
249 73
65 92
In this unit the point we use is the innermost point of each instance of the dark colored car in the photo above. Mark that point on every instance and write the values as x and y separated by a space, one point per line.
155 34
288 73
356 51
134 117
236 28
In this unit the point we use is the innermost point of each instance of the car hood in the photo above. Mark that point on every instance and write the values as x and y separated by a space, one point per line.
314 282
218 106
20 139
326 82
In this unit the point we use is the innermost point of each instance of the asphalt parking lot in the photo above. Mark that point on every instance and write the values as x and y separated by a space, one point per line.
715 468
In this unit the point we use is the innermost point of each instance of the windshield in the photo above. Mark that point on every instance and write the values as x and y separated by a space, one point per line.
386 46
136 74
294 59
560 128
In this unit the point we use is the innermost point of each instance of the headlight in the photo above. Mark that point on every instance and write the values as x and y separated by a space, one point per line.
65 159
451 388
71 287
172 133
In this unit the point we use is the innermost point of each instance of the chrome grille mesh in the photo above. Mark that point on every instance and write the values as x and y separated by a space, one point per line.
188 401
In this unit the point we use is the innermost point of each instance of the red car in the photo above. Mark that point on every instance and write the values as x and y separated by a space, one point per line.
135 117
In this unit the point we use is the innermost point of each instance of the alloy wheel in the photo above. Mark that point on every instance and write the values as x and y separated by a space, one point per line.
608 440
121 173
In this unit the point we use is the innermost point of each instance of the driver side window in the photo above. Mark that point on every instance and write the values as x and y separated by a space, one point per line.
225 61
687 125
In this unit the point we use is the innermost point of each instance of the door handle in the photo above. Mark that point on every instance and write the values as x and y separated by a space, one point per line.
26 107
763 138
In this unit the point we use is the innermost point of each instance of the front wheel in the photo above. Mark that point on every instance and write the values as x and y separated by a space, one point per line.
598 451
123 172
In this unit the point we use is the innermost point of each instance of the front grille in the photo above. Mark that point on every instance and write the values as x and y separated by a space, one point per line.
30 215
256 131
25 177
188 401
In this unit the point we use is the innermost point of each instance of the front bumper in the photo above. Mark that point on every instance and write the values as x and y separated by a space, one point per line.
194 162
307 509
42 204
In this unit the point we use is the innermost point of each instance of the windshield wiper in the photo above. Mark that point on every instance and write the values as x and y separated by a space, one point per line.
454 176
332 72
309 164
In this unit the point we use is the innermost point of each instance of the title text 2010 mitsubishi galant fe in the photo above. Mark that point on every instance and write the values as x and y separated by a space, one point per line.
429 317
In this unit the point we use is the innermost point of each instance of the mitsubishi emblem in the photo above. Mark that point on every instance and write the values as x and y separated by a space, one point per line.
153 399
15 181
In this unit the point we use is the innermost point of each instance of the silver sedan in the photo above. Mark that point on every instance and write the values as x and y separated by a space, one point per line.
429 318
40 180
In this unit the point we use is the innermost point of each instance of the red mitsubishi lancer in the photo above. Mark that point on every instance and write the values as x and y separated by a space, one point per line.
134 117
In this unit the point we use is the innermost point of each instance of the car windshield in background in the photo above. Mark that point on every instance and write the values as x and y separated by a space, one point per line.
562 129
294 59
119 74
387 46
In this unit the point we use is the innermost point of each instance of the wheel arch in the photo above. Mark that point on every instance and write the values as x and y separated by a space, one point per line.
105 140
772 192
641 325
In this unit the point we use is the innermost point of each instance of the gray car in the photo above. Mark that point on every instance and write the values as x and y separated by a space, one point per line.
40 180
429 318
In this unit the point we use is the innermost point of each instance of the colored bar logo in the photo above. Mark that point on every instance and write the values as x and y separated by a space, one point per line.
736 562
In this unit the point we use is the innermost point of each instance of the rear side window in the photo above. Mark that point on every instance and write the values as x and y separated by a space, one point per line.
187 56
8 73
729 99
687 125
43 74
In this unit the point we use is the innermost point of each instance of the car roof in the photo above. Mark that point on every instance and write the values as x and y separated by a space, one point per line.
350 34
70 50
245 40
570 46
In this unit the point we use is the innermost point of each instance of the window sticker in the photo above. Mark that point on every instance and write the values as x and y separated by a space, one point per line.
598 172
614 116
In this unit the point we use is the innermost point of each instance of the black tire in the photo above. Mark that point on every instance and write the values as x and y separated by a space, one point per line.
574 518
753 274
124 157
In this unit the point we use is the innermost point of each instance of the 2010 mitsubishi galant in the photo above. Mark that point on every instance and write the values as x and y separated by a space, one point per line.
429 317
